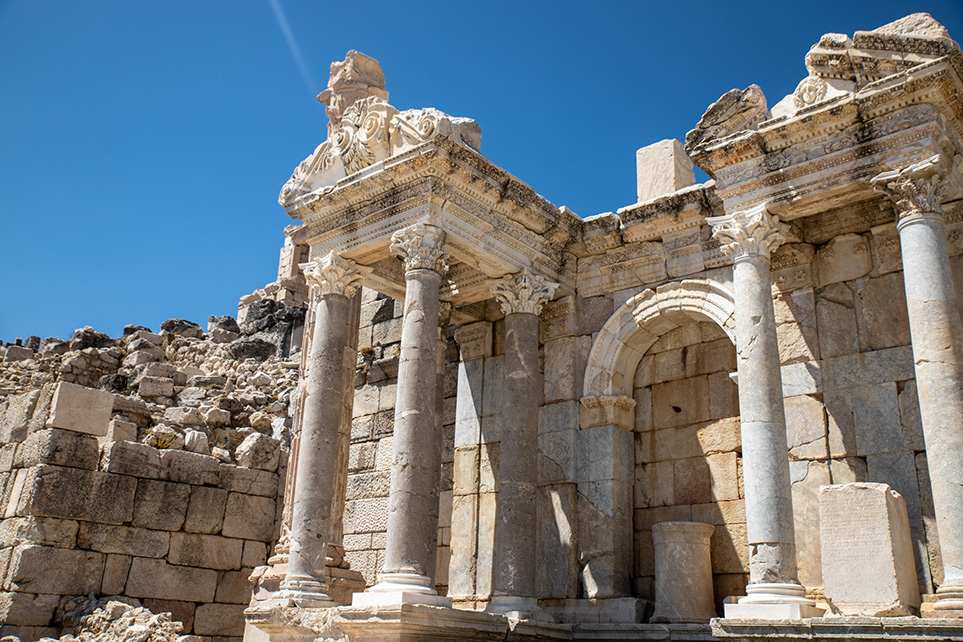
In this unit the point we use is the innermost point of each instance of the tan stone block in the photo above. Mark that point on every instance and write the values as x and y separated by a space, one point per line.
806 428
723 476
723 396
729 549
654 485
51 491
80 409
465 481
645 371
909 417
45 531
205 511
844 258
190 468
807 477
120 430
669 366
680 402
60 448
254 553
158 579
233 587
691 481
646 518
115 574
205 551
643 409
138 542
130 458
881 314
26 609
249 517
488 468
662 168
60 571
719 436
160 505
720 512
365 515
249 481
884 243
156 387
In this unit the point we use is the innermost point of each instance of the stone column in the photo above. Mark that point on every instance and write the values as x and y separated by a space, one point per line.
412 538
749 237
334 280
521 297
936 330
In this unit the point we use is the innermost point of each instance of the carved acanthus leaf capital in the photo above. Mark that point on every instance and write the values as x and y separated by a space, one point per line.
422 247
752 232
333 274
914 190
523 292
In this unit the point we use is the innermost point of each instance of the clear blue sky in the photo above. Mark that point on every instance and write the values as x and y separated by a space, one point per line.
143 144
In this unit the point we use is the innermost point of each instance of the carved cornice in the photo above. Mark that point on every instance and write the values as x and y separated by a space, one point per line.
523 293
421 247
333 274
607 411
915 190
749 233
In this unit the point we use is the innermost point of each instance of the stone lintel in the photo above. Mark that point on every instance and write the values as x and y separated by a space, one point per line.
607 411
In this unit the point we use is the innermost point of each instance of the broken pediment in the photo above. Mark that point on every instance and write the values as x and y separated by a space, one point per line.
737 110
363 129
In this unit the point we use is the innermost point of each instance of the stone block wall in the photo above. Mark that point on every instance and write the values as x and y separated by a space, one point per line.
174 530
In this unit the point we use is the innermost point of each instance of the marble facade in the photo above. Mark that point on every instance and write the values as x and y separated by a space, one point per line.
534 392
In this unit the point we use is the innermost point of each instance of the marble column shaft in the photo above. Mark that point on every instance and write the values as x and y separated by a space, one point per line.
334 281
521 297
412 537
936 330
749 237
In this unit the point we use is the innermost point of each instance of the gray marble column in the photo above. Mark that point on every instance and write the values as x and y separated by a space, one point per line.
333 280
749 237
521 297
412 538
936 330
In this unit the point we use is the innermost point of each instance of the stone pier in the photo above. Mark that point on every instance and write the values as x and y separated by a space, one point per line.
521 297
937 332
773 591
412 536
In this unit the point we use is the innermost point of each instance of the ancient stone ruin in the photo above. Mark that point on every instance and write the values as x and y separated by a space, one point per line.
731 410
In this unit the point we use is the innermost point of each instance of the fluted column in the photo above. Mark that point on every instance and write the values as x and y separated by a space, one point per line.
521 297
412 537
333 280
749 237
936 330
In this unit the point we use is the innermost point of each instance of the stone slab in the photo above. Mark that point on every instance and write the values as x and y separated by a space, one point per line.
158 579
81 409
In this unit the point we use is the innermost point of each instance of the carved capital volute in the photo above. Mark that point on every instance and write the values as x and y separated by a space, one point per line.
421 247
333 274
915 190
523 292
749 233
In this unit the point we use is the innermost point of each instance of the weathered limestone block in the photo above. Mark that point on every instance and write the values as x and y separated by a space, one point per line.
181 416
683 572
15 416
836 316
190 468
845 258
807 477
250 481
249 517
52 491
806 428
160 505
867 551
130 458
205 551
158 579
233 587
45 531
27 609
205 513
259 451
662 168
115 574
120 430
81 409
60 448
881 313
219 619
60 571
156 387
139 542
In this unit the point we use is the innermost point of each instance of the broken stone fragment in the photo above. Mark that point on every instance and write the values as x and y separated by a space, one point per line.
259 451
182 328
251 348
226 323
87 337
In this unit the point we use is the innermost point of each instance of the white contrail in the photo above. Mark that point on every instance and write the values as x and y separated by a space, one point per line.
293 46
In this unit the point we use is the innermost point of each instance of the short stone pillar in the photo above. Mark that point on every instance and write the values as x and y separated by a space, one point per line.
936 330
867 551
412 537
334 280
521 297
773 591
683 572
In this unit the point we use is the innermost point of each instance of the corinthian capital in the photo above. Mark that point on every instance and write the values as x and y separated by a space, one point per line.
523 292
752 232
914 190
333 274
422 247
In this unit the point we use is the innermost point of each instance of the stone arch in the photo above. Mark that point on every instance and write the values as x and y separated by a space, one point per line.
641 320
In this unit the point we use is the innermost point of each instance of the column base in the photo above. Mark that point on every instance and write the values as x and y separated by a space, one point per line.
306 593
772 601
949 597
401 588
513 606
